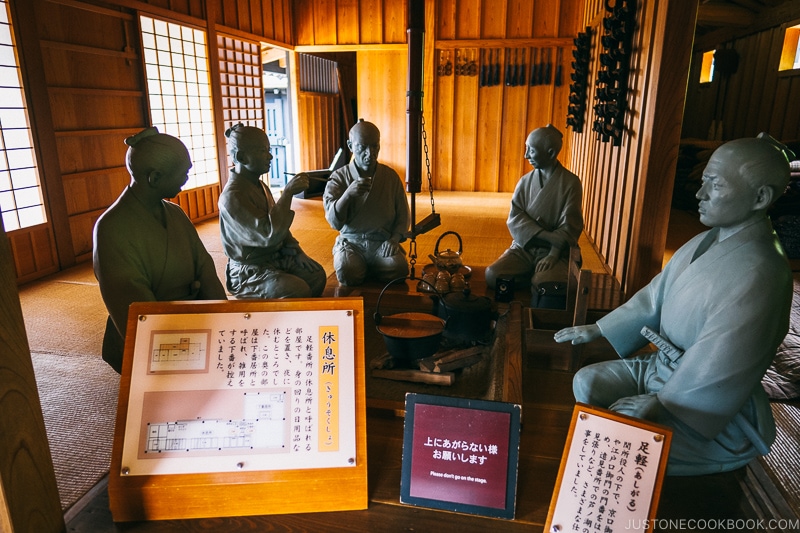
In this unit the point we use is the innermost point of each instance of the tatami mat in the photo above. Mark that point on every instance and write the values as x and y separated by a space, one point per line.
79 402
785 451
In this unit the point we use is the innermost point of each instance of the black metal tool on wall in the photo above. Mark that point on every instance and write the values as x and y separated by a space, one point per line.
611 84
580 77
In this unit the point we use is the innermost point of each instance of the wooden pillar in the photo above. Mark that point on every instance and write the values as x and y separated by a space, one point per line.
661 133
28 492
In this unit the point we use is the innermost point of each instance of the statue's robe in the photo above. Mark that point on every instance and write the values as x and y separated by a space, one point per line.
727 310
555 206
137 259
261 250
367 223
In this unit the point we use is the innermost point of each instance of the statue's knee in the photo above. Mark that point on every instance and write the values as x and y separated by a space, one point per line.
292 287
581 386
351 273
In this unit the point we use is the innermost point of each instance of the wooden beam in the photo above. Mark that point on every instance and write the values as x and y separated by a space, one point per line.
41 117
769 18
29 498
666 90
724 15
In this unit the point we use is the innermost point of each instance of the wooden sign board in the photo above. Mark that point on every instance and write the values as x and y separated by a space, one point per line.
460 455
611 473
236 408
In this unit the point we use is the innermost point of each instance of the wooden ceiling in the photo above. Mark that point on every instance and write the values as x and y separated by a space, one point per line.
725 19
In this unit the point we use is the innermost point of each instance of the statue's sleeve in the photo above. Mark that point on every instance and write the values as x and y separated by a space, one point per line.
334 189
520 224
740 332
248 224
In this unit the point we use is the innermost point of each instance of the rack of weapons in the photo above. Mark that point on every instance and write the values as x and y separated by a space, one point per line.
512 67
611 85
580 78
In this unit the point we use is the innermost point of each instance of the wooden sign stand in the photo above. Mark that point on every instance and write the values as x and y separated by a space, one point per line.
611 472
215 481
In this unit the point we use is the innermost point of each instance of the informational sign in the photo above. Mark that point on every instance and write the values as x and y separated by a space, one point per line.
223 389
611 473
460 455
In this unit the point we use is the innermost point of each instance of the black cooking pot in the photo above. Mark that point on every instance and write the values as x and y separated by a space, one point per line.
409 336
468 317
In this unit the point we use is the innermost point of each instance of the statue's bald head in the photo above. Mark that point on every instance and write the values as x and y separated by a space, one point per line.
760 161
364 132
547 137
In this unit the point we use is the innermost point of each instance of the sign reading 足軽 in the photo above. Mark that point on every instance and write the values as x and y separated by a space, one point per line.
611 472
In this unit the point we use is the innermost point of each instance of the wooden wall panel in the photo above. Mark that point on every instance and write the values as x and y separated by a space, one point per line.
382 100
270 19
89 69
338 22
370 21
493 19
324 23
626 185
82 153
110 110
90 191
753 99
34 252
470 120
347 17
319 113
395 22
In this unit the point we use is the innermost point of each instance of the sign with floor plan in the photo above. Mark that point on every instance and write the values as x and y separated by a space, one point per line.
241 389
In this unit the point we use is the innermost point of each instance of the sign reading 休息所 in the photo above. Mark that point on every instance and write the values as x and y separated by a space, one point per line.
611 472
226 398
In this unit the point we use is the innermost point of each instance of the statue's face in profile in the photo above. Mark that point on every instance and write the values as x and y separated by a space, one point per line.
254 152
726 198
538 150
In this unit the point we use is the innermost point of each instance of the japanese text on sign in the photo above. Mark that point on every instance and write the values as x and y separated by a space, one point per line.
608 477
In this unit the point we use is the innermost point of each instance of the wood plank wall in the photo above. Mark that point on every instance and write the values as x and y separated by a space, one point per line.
627 188
83 75
476 135
753 99
479 132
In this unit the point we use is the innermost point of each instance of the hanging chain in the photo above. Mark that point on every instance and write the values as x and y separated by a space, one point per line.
427 161
412 255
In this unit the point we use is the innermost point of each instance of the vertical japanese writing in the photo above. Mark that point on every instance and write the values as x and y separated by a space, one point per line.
611 477
329 388
277 356
242 356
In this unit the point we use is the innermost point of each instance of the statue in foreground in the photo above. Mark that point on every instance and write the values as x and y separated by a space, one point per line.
145 248
717 313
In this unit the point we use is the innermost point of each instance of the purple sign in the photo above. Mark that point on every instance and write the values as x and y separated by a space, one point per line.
460 454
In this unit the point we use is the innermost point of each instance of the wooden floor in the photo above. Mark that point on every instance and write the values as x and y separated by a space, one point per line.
479 219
